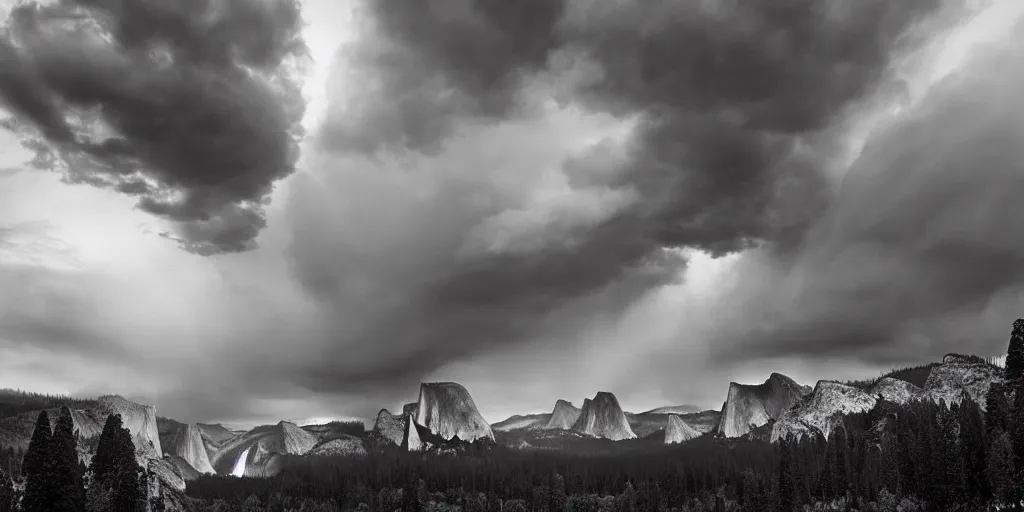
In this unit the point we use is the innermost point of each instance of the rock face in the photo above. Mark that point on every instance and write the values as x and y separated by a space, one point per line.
822 410
896 390
258 448
139 419
678 431
411 409
344 445
215 434
958 377
603 417
448 411
389 427
411 436
563 417
750 406
187 443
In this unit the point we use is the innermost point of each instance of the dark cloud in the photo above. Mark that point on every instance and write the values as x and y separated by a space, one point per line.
192 107
424 64
727 101
920 254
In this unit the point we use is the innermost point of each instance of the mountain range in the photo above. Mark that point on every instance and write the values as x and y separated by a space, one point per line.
446 419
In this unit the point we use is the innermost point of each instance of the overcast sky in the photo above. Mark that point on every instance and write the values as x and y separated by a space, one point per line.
265 210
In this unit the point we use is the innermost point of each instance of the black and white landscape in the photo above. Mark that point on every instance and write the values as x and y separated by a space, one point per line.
511 255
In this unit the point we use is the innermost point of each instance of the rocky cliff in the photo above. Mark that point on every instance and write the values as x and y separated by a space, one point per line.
603 417
750 406
215 434
258 447
410 436
678 431
958 377
448 411
139 419
389 427
187 443
821 410
563 417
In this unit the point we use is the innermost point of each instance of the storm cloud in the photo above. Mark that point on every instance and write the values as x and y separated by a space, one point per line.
539 196
727 110
920 253
191 107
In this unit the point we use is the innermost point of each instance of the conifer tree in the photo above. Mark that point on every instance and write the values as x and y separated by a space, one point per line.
950 471
1015 353
1000 469
62 466
996 409
972 443
117 482
786 488
38 484
6 492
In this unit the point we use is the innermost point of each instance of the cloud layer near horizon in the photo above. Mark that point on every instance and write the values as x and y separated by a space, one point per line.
494 186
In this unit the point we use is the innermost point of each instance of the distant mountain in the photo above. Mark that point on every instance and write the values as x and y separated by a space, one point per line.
645 424
603 417
749 406
447 410
678 431
674 409
949 382
522 422
563 416
258 452
215 434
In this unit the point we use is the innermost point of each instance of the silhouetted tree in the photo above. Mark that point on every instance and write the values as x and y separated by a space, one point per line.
38 484
997 409
1015 353
116 481
62 466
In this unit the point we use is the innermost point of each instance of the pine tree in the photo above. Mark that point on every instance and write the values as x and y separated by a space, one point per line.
38 484
972 443
6 492
556 493
62 466
1015 353
786 489
1000 468
117 481
996 409
950 471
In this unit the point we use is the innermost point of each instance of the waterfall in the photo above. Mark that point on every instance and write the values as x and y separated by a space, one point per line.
239 469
